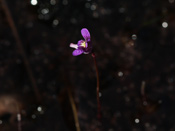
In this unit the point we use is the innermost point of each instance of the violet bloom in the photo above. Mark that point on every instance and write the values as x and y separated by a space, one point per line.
83 46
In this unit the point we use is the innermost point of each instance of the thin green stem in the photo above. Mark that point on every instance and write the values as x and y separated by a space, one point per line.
98 88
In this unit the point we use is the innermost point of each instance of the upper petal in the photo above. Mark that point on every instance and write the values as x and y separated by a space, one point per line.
85 33
77 52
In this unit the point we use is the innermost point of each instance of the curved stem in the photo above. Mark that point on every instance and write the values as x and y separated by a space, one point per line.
98 88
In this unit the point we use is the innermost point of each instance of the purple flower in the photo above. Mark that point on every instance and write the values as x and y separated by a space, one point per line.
83 46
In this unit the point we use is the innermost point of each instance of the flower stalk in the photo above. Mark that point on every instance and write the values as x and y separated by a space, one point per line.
98 88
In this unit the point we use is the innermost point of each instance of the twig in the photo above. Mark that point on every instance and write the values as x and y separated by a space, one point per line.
143 88
19 121
73 106
74 110
144 99
21 49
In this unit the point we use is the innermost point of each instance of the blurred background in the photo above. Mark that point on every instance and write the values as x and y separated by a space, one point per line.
134 44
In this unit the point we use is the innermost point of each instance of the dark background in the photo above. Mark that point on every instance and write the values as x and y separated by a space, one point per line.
124 62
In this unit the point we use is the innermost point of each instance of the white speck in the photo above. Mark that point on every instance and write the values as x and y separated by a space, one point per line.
34 2
170 80
29 24
120 74
130 43
19 117
95 14
54 96
134 36
93 7
40 16
65 2
0 121
87 5
100 94
39 108
145 103
118 90
171 1
45 11
18 61
55 22
73 20
33 116
39 80
160 101
52 2
127 99
154 127
147 125
121 10
127 19
117 114
137 120
45 61
36 52
164 24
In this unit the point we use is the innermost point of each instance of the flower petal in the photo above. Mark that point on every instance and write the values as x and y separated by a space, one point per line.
80 42
85 33
72 45
77 52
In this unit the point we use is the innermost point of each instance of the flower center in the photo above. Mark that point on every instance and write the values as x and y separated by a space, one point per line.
83 44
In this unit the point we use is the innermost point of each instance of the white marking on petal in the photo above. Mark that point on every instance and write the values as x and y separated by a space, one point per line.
86 52
73 45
